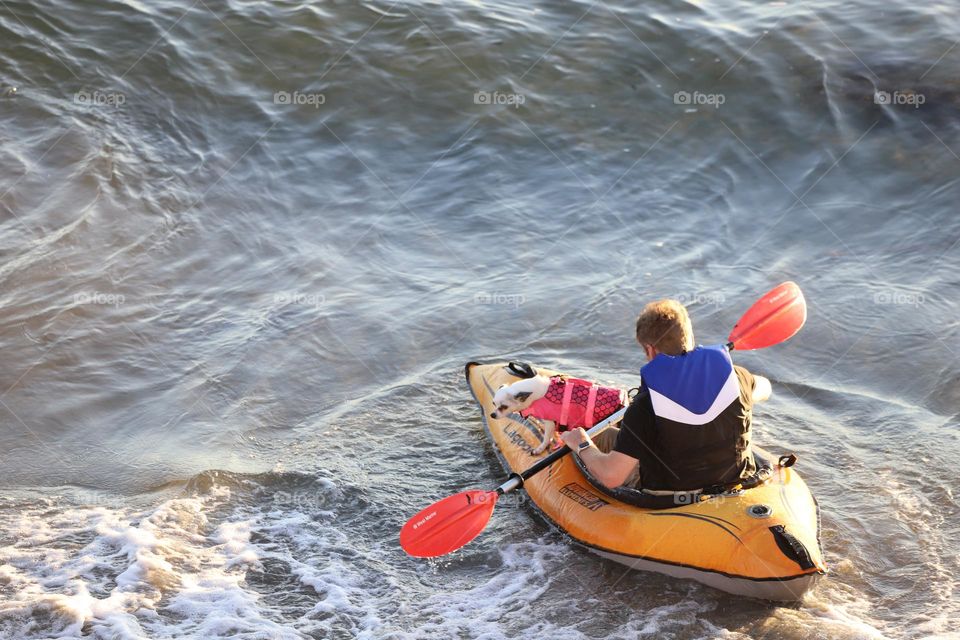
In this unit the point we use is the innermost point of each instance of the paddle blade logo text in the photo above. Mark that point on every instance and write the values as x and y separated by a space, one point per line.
424 520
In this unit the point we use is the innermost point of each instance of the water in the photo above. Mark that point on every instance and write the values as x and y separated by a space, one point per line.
233 325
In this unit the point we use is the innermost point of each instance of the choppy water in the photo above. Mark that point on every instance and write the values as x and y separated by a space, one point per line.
247 247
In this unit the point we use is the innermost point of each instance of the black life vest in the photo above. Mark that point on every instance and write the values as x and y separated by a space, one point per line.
700 434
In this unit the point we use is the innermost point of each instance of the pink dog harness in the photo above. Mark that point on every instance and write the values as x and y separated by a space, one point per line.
572 403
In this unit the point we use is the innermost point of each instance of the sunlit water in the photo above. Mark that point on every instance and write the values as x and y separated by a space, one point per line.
248 246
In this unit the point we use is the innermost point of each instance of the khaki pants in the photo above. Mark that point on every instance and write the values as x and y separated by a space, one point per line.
605 442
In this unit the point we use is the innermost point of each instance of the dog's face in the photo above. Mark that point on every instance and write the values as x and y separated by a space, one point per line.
506 402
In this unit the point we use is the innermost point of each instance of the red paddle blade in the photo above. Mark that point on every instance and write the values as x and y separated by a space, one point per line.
772 319
449 524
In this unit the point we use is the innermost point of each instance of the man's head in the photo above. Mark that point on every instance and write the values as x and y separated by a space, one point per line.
664 327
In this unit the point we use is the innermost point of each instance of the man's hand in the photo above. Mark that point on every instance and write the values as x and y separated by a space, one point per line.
574 438
761 389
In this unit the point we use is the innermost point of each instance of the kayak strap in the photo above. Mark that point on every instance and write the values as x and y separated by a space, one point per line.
761 476
763 473
655 499
787 461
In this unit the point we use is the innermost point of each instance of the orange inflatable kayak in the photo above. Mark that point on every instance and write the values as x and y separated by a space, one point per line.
762 542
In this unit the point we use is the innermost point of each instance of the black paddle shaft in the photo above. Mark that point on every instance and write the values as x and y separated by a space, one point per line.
515 481
546 462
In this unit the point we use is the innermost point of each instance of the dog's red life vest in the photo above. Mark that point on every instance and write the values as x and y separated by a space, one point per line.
572 403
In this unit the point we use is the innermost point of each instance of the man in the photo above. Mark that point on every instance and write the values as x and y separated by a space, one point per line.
689 427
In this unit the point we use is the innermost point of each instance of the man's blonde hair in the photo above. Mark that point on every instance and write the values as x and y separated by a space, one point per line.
665 325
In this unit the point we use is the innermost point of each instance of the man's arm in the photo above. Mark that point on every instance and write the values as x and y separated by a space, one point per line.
611 469
761 389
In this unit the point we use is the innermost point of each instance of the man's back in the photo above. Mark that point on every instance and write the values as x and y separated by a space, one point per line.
690 424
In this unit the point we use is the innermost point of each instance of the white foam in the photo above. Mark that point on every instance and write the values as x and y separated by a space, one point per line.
151 565
176 571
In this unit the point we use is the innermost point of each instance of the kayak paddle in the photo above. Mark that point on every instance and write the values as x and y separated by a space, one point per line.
772 319
451 523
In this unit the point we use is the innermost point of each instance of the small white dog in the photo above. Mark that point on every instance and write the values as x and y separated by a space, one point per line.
555 402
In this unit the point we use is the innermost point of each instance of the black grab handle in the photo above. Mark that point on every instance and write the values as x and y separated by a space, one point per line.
522 369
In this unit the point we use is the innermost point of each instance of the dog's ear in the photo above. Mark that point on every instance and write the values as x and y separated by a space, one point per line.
522 396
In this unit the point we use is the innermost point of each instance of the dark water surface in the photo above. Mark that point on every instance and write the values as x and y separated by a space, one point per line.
246 248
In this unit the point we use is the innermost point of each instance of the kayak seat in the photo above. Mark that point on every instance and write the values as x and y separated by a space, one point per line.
630 492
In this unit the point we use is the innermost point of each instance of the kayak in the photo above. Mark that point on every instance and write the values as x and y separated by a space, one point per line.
761 542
